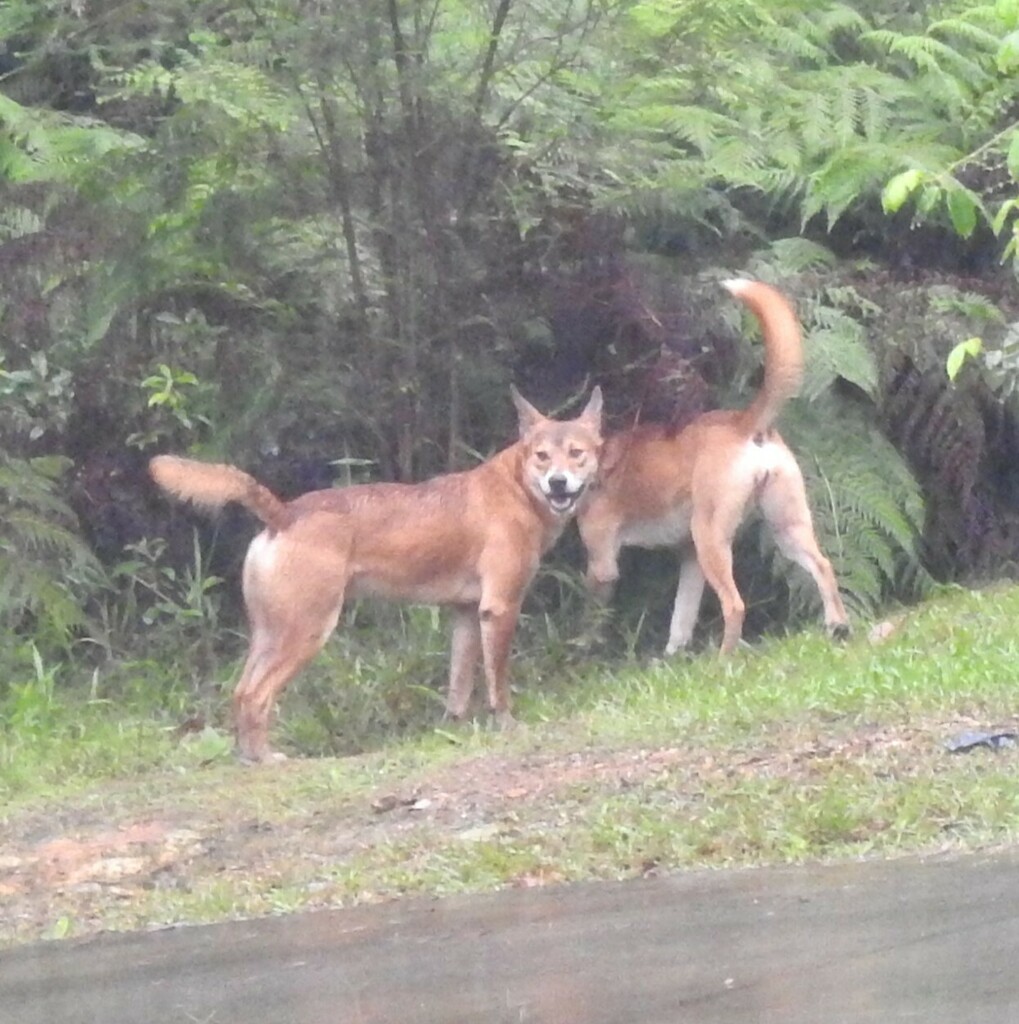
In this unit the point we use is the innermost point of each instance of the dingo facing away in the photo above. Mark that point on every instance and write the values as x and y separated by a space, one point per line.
470 540
659 488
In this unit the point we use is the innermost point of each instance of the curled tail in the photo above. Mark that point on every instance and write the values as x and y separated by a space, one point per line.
211 486
783 350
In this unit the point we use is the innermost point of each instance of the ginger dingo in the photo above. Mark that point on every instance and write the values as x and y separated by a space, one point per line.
659 488
469 540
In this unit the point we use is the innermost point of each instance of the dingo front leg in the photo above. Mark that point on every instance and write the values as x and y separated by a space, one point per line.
498 623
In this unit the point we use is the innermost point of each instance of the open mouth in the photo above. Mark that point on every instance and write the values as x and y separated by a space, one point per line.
562 503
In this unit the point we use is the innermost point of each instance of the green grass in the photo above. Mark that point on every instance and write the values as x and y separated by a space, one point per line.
792 751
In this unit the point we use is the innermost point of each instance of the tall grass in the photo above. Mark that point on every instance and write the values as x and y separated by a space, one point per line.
382 679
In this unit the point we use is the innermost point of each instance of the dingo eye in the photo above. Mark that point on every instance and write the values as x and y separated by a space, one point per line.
542 456
577 453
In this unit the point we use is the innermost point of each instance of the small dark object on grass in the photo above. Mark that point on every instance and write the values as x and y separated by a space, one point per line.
967 741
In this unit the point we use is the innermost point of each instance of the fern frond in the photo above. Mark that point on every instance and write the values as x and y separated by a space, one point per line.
836 18
968 30
927 53
40 551
852 173
839 352
793 40
787 257
967 304
868 509
36 532
695 125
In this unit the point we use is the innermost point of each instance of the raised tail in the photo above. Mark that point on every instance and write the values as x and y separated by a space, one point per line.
210 486
783 350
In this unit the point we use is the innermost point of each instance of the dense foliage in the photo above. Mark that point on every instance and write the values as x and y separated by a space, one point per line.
320 241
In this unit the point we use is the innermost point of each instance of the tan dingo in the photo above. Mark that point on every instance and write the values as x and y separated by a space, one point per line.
470 540
659 488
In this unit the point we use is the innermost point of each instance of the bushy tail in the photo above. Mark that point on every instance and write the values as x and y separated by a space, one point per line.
783 351
211 486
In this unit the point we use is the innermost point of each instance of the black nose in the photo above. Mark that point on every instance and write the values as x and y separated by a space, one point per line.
557 484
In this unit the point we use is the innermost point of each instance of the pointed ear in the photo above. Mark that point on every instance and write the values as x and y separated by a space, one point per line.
529 416
592 411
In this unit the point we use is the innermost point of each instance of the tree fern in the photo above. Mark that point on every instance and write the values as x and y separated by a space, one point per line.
824 100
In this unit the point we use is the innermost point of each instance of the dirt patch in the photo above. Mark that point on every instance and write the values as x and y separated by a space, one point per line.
113 863
73 864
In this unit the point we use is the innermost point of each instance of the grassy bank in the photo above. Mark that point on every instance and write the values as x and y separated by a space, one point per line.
792 751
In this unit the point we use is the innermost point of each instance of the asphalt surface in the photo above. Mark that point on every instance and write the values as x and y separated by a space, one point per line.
878 942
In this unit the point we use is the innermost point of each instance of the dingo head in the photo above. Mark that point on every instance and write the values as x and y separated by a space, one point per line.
560 456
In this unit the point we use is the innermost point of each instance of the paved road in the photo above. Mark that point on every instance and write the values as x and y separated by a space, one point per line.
880 942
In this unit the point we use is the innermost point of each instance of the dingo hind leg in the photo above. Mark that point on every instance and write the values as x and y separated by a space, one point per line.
279 656
719 502
291 616
713 541
784 505
464 657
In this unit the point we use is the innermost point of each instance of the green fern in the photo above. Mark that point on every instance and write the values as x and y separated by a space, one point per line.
927 53
41 553
790 256
970 305
243 94
39 145
839 352
986 39
955 434
812 127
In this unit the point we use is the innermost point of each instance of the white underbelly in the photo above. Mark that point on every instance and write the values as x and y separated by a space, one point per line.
667 531
748 468
449 590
